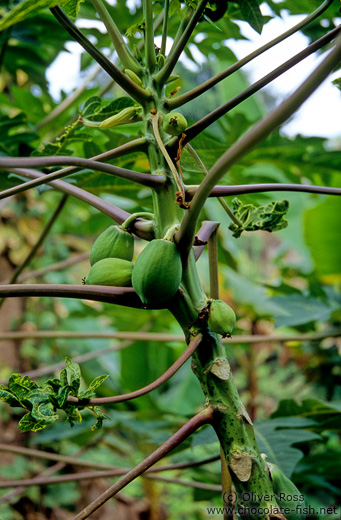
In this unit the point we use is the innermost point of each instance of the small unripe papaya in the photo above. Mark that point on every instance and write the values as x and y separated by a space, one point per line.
174 123
287 495
110 271
157 272
114 242
222 318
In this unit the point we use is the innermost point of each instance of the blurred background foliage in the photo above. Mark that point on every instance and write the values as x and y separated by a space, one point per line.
285 283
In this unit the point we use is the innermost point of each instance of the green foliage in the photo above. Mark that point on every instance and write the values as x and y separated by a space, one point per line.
44 400
268 218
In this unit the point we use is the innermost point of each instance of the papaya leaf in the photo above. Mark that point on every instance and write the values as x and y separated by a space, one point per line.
63 394
71 7
100 418
28 423
275 438
8 397
325 414
74 375
268 218
95 383
27 8
72 415
21 386
252 14
70 136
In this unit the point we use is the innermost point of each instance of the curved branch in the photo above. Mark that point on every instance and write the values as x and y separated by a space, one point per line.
145 179
136 92
175 440
240 189
208 120
200 89
177 49
125 296
146 389
117 214
249 140
207 229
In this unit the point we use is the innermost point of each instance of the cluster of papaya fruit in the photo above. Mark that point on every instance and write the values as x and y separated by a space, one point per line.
155 276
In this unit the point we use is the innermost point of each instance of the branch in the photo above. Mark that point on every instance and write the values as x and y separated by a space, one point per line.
47 455
136 92
225 191
145 179
90 475
203 235
249 140
39 242
117 214
204 171
83 358
200 89
125 296
165 28
146 389
123 52
155 336
177 49
213 265
149 35
58 266
206 121
185 431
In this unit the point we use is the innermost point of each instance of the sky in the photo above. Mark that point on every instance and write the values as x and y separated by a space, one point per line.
320 115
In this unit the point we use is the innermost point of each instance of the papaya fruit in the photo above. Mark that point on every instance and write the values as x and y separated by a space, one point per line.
157 272
114 242
222 318
288 497
174 123
110 271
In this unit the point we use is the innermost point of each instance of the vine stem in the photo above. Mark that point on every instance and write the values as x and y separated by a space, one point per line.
144 179
240 189
39 242
175 440
136 92
259 132
200 89
123 52
142 391
206 121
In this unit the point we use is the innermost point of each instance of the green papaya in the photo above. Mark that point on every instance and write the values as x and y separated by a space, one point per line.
222 318
289 499
114 242
174 123
157 272
110 271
